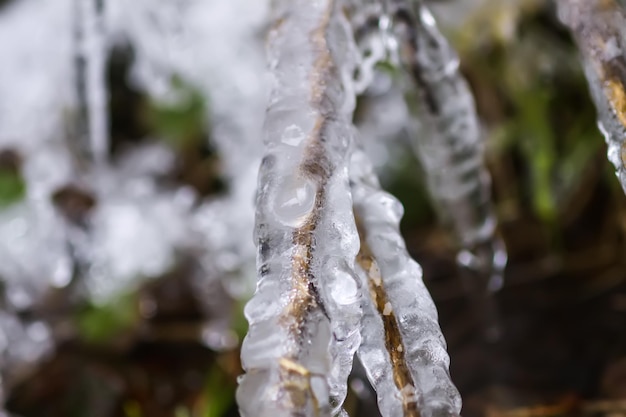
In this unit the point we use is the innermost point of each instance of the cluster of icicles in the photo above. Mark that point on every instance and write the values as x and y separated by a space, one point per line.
334 278
334 275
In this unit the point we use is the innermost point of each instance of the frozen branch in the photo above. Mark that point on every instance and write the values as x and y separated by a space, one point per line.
304 318
403 349
450 147
599 30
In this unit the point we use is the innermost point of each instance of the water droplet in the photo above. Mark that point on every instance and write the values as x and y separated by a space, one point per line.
294 201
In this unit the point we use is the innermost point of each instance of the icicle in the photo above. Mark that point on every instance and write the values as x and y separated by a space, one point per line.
304 317
450 149
90 77
599 29
403 349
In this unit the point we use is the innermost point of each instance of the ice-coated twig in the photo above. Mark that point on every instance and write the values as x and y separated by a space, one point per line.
91 78
403 349
304 317
450 147
599 30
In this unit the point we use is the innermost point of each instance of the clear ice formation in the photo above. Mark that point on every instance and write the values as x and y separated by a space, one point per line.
599 30
403 350
444 134
285 353
304 317
449 144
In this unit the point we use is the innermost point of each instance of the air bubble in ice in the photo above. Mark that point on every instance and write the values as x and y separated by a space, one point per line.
293 136
294 201
345 290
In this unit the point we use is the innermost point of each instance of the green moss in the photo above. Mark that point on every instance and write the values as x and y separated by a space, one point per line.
543 116
182 412
407 185
12 187
537 144
219 394
132 409
239 322
182 123
99 323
